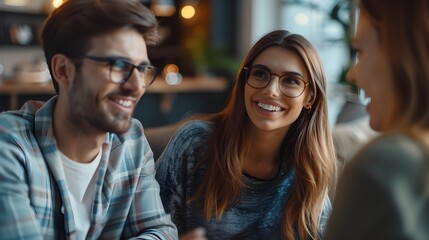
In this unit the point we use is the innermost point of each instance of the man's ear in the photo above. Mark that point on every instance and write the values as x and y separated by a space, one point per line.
63 70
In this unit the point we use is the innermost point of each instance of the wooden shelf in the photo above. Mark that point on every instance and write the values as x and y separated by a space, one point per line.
190 84
13 89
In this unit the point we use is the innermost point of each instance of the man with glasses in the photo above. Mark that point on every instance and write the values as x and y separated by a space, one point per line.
78 166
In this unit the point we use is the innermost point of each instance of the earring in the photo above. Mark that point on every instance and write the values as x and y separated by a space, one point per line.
308 107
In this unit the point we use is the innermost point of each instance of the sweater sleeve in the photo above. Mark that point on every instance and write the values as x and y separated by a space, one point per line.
174 169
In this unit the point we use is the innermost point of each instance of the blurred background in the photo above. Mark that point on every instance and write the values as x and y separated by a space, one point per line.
202 47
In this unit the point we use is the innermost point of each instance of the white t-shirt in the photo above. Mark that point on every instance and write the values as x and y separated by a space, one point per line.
80 180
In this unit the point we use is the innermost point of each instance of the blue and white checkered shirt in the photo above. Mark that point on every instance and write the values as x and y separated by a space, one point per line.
34 199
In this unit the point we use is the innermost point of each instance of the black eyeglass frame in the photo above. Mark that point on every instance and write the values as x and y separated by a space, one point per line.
248 70
111 60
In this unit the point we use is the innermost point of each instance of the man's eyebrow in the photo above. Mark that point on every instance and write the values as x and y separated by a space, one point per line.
125 59
145 62
116 57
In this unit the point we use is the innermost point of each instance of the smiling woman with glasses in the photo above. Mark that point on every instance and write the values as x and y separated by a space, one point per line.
121 69
260 168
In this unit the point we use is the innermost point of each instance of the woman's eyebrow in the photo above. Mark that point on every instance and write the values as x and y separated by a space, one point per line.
294 73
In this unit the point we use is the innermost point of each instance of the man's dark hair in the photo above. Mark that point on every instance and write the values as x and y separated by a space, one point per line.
69 28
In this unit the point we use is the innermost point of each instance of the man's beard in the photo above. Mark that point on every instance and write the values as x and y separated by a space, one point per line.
87 114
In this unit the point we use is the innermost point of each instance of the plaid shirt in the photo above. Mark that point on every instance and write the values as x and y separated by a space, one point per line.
34 199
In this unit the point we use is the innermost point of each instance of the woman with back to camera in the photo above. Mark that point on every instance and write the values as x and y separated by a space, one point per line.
261 168
384 192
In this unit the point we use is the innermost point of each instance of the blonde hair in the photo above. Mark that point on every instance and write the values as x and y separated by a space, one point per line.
308 141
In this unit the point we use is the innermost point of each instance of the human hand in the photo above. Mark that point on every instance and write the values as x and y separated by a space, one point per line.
196 234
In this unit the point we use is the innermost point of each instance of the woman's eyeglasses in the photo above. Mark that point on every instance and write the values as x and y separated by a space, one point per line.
290 85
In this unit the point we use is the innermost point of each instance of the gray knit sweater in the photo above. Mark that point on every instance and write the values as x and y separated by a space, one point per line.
258 214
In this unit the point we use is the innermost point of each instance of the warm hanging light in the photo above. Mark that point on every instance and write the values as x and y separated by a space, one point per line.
187 12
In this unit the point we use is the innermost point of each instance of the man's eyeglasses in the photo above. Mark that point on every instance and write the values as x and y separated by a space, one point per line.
259 76
121 70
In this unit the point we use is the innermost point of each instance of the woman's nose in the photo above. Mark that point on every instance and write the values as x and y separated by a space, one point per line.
350 76
273 87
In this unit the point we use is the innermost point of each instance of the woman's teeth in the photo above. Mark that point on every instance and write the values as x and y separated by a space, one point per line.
268 107
363 97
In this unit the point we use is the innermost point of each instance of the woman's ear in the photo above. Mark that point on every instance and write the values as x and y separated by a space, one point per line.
309 101
63 70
